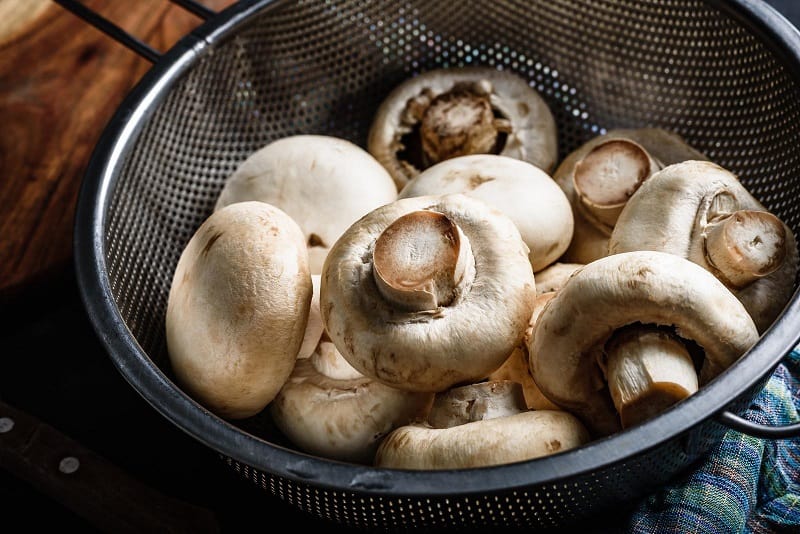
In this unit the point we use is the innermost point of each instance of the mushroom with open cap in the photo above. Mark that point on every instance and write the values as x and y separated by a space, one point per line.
329 409
480 425
524 192
237 308
451 112
428 292
601 175
618 343
701 211
322 182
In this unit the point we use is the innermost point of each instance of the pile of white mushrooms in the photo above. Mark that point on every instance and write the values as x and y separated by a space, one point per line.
452 296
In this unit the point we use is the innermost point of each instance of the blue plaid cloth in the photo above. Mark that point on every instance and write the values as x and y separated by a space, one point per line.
745 484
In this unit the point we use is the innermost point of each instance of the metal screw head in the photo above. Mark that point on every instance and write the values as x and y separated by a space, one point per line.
6 424
69 465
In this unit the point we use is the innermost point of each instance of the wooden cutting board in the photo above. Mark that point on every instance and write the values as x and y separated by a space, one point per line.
60 82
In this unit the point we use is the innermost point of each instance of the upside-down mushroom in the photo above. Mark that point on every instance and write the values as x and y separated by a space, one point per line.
613 345
480 425
601 175
428 292
524 192
702 212
322 182
451 112
237 308
328 408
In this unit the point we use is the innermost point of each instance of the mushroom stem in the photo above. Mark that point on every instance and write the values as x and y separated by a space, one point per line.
461 122
476 402
648 370
422 261
606 178
745 246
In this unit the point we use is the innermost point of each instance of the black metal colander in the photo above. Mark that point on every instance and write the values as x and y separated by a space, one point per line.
725 74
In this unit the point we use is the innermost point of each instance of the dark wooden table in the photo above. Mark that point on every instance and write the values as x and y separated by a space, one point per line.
60 80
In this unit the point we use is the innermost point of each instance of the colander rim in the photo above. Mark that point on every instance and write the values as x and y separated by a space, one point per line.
102 174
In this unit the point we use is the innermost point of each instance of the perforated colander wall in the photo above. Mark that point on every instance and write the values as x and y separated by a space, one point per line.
324 67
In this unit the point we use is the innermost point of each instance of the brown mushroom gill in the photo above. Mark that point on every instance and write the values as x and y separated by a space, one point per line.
458 122
446 113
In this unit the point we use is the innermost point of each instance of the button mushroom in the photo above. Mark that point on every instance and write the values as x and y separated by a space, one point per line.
324 183
516 367
554 276
328 408
428 292
601 175
237 308
524 192
615 345
445 113
314 326
701 211
480 425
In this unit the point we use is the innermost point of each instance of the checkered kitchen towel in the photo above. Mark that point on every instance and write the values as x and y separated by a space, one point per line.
746 484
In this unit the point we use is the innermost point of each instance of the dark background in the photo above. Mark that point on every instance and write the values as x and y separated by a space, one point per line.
53 367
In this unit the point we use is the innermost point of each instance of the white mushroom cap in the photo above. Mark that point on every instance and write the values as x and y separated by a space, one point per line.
676 211
462 291
329 409
237 308
522 191
634 287
480 425
324 183
531 134
591 232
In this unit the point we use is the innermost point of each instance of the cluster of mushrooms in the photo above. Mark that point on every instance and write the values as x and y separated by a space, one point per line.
453 296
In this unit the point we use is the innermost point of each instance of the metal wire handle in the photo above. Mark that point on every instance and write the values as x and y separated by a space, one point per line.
123 37
745 426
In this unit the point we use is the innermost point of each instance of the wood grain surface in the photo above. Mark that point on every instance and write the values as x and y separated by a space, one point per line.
60 82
